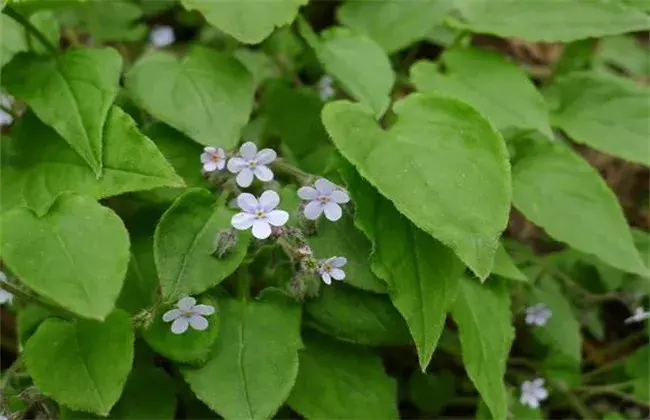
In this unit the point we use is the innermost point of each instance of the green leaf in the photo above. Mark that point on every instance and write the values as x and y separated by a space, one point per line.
211 93
624 52
192 346
84 364
249 21
259 65
255 359
13 39
356 62
46 22
184 243
422 386
422 275
106 21
342 381
29 318
482 313
560 20
496 87
553 187
27 7
454 162
48 167
76 254
357 316
393 24
72 93
606 112
342 238
504 266
149 393
637 367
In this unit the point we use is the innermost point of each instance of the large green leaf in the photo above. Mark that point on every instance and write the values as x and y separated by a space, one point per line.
72 93
255 359
342 381
13 39
357 62
453 161
482 313
250 21
497 88
47 166
343 239
558 20
606 112
208 95
184 242
504 266
76 254
558 191
84 364
150 393
422 274
357 316
393 24
115 20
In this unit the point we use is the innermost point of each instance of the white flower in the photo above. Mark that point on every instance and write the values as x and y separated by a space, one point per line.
161 36
326 197
213 159
639 315
187 312
259 214
538 314
325 88
5 118
331 268
532 392
5 297
251 163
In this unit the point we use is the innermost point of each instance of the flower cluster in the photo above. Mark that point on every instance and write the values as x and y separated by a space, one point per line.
248 164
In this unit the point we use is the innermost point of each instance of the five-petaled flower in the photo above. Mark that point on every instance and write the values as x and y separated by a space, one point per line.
331 268
533 392
188 313
639 315
213 159
251 163
5 297
260 214
325 197
538 315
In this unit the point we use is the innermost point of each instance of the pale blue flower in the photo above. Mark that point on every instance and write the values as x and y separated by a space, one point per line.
188 313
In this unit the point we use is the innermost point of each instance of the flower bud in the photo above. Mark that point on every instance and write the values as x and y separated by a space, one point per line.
224 241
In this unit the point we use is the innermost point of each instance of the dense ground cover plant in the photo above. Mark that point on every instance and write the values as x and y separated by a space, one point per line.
344 210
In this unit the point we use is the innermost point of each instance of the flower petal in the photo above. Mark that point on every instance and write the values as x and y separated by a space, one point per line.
313 209
221 164
242 221
236 164
247 202
538 383
5 297
333 211
277 217
248 150
204 309
179 326
541 394
265 156
263 173
245 177
326 278
324 186
172 315
338 261
269 200
340 196
210 166
307 193
337 273
206 157
186 303
261 229
198 322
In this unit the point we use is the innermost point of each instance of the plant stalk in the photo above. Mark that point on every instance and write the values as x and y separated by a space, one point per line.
9 11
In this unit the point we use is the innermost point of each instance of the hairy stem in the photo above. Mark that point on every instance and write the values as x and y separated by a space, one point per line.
284 167
57 310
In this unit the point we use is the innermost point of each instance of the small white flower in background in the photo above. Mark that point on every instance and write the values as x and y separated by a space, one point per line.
639 315
325 88
162 36
325 197
251 163
188 313
5 118
5 297
331 268
538 315
260 214
213 159
533 392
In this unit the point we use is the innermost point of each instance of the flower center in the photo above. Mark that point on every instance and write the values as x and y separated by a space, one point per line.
216 158
327 267
323 199
252 164
259 214
187 312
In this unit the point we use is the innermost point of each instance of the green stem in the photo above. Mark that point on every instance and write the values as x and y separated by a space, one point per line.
283 167
577 404
57 310
30 28
604 389
243 284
